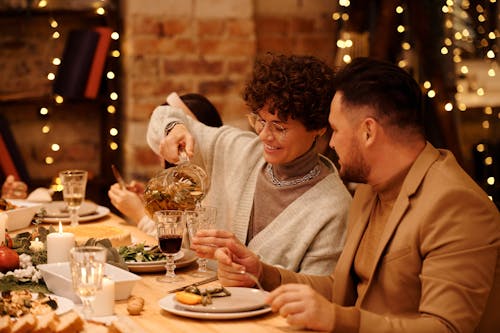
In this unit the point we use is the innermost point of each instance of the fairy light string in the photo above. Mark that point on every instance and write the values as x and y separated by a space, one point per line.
45 112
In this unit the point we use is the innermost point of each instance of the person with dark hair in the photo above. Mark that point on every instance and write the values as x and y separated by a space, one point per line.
129 201
272 190
422 250
202 109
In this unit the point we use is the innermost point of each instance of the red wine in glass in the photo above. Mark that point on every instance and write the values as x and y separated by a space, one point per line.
170 243
170 229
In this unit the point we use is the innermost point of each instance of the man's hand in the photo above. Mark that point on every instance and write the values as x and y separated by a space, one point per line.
303 307
232 256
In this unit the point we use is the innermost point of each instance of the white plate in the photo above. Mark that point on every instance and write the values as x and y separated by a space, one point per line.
101 211
187 258
169 304
58 209
241 299
63 304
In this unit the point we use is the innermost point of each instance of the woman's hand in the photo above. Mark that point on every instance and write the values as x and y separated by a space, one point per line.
179 136
136 187
14 189
303 307
206 241
127 202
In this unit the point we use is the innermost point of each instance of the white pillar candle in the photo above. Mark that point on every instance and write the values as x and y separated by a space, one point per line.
104 303
58 245
3 223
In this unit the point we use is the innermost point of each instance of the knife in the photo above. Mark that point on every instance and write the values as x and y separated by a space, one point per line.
196 284
118 177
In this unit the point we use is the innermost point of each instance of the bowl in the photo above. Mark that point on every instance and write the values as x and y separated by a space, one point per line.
57 277
20 217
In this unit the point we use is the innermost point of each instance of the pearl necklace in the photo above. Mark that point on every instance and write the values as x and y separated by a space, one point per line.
308 176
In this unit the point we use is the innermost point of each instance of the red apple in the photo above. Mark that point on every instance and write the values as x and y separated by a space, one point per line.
9 259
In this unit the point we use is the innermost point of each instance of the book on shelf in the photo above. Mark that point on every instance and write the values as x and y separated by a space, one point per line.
82 65
98 62
11 161
73 72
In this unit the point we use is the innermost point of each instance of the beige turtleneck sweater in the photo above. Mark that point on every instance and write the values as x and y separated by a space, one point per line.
364 261
273 199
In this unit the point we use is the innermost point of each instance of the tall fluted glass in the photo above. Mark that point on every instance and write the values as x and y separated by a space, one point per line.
74 183
201 218
87 270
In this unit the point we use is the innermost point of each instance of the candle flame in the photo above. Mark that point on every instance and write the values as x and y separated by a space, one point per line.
60 227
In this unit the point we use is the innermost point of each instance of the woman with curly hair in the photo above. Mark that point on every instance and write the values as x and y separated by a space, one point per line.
273 191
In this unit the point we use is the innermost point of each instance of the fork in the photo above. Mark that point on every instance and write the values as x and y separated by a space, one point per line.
254 279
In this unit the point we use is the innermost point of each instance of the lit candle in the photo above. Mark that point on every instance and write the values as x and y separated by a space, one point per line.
58 245
3 223
36 245
104 302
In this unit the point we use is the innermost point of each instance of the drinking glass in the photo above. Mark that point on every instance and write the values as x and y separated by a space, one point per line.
201 218
74 183
87 270
170 226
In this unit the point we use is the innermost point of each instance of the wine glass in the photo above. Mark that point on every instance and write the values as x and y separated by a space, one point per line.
201 218
170 226
87 270
74 183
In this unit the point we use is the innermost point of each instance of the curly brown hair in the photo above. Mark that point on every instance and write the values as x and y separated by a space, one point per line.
296 87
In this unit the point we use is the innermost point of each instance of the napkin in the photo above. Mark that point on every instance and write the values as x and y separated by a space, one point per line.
40 194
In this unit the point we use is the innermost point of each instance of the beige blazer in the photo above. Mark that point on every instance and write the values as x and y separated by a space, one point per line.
438 260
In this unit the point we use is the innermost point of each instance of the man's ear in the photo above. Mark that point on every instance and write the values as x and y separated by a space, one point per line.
321 132
369 130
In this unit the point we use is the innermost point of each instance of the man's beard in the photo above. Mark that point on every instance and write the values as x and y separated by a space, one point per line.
353 168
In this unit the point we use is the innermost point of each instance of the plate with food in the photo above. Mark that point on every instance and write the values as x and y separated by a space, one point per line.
17 303
220 299
241 303
141 258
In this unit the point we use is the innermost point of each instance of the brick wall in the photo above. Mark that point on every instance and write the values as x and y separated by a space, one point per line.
204 46
207 46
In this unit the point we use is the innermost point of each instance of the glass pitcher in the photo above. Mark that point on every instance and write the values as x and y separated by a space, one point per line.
181 187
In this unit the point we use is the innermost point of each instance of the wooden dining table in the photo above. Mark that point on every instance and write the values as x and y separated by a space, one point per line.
154 319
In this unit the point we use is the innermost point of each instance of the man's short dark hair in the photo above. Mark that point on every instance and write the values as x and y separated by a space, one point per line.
391 91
